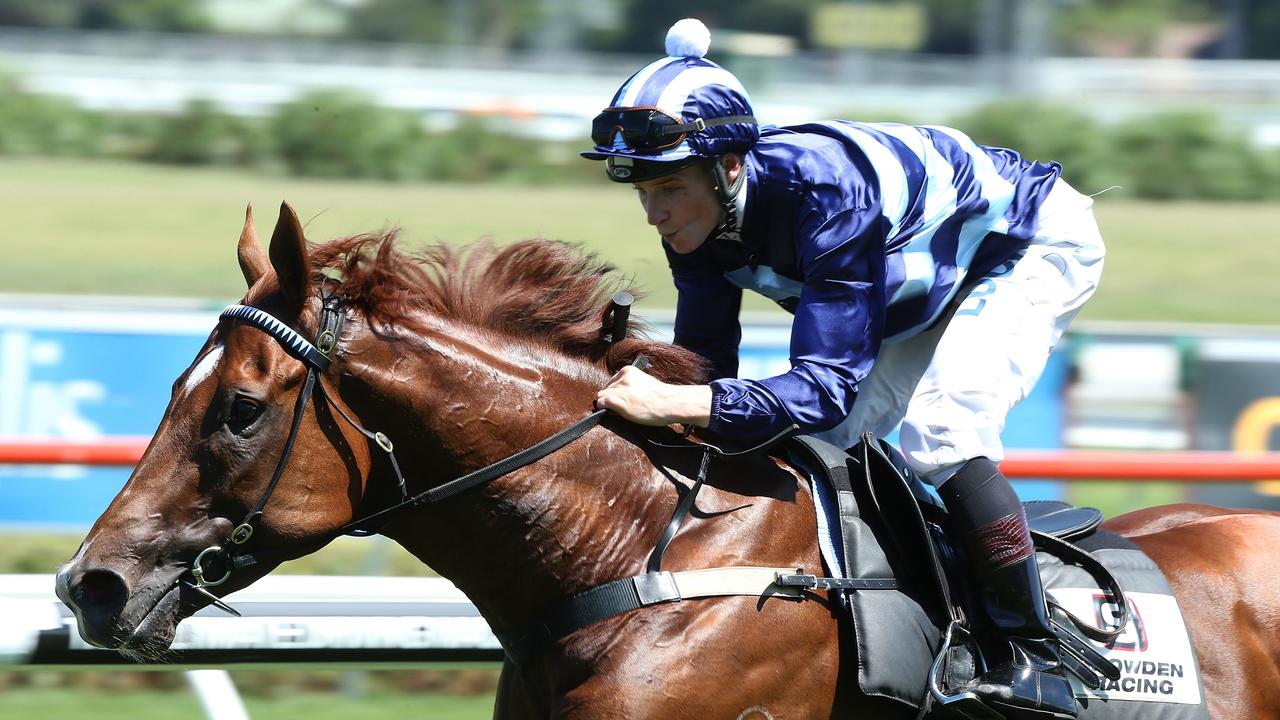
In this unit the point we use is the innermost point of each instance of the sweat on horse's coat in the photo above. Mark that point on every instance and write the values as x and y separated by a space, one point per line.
465 358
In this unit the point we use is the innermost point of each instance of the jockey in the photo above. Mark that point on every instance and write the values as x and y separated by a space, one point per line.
930 279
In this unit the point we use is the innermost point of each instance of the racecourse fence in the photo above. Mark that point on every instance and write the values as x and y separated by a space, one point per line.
298 620
287 620
386 620
1206 466
389 621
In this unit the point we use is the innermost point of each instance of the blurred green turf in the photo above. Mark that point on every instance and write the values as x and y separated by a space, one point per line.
74 226
61 704
98 227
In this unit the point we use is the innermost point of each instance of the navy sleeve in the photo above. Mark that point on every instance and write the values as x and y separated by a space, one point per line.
835 337
707 308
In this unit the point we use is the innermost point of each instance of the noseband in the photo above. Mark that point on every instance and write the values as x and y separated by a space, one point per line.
318 357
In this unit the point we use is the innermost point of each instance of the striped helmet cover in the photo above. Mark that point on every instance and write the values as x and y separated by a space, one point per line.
686 88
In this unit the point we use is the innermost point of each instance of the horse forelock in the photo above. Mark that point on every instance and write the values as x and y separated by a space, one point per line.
535 291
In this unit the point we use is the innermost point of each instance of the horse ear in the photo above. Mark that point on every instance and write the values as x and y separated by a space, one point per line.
289 258
253 261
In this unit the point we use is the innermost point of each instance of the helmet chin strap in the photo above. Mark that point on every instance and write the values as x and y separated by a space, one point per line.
731 225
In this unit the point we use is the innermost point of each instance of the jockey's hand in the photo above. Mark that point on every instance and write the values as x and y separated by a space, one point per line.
643 399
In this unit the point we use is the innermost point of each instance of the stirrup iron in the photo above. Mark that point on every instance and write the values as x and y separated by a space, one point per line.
959 703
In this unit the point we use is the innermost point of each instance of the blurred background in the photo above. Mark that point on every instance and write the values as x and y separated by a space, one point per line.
133 133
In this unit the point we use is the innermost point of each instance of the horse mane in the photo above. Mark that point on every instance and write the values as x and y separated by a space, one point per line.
539 291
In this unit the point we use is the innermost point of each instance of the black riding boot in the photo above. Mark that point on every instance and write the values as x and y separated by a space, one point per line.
1032 684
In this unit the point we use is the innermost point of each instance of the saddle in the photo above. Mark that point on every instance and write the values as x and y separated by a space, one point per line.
919 640
903 586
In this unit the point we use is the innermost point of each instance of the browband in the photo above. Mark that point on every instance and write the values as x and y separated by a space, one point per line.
290 340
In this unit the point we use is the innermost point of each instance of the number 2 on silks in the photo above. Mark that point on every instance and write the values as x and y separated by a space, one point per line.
977 298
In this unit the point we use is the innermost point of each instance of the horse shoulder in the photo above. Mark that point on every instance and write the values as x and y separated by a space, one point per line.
770 657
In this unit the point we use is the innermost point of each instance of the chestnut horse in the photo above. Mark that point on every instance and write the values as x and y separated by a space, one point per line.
466 358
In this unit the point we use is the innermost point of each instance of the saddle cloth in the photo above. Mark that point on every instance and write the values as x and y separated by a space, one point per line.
867 532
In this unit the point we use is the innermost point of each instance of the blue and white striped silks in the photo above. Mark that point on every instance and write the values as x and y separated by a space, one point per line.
874 229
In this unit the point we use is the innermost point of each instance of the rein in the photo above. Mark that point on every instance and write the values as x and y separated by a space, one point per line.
573 613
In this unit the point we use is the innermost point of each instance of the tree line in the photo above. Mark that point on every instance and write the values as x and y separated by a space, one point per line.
342 134
1243 28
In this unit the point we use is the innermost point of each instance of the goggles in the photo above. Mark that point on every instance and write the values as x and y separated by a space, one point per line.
650 130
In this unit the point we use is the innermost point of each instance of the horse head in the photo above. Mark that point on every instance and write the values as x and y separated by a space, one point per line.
263 453
210 462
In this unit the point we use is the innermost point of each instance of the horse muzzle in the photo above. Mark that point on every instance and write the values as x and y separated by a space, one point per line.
113 614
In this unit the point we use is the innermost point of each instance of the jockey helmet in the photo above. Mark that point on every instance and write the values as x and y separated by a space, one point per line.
673 112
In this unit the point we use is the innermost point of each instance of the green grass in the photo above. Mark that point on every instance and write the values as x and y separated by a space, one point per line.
60 704
112 228
1188 262
98 227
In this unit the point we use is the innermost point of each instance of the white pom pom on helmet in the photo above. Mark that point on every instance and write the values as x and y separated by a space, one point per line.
688 38
674 111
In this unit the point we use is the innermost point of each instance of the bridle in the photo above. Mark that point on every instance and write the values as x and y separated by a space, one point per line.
574 612
318 356
577 611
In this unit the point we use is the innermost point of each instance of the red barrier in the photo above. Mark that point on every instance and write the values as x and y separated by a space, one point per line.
123 451
1067 464
1190 466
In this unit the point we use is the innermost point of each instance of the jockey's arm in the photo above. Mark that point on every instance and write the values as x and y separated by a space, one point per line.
834 340
835 336
707 307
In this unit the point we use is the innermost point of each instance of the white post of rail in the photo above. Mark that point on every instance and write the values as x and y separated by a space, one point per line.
217 693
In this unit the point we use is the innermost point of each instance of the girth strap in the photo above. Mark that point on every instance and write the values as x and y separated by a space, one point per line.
632 593
841 583
657 586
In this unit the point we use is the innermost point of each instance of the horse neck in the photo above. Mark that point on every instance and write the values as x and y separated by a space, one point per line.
460 401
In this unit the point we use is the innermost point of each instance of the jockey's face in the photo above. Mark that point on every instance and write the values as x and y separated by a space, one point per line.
684 206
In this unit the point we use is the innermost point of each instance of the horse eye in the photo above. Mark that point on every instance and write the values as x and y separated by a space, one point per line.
242 412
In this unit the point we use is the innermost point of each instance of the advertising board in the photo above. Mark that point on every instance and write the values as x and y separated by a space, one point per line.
88 374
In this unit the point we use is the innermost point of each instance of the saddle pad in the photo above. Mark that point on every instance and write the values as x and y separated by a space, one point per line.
1160 676
1159 672
828 528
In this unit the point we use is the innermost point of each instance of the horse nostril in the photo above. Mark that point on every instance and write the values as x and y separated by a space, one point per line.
100 590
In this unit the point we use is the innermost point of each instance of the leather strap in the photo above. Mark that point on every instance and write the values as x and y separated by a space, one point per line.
700 124
317 358
496 470
686 503
656 586
1106 581
908 531
632 593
